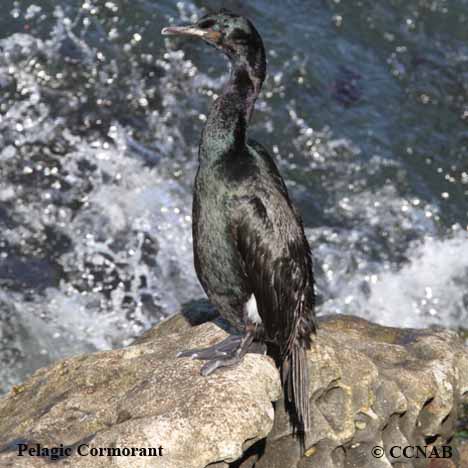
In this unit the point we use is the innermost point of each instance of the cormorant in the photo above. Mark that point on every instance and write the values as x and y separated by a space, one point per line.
251 255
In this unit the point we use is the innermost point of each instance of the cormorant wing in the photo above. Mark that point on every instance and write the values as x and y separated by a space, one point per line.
276 261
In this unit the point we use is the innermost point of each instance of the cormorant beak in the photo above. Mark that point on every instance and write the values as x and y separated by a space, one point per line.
208 35
184 31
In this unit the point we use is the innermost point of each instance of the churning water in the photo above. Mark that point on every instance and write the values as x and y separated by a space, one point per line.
365 109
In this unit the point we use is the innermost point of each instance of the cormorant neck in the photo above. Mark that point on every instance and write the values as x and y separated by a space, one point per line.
246 84
230 114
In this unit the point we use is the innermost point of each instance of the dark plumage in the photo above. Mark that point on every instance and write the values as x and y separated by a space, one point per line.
251 255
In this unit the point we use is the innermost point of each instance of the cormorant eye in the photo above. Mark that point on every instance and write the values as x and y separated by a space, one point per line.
206 24
240 36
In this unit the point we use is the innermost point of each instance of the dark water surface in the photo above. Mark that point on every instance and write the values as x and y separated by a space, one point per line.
365 109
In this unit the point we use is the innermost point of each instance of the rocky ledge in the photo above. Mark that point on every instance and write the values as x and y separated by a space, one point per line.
371 386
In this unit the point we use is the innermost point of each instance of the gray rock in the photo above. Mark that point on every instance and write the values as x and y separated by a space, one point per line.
370 386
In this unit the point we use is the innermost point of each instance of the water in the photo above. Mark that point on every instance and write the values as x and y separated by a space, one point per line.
365 109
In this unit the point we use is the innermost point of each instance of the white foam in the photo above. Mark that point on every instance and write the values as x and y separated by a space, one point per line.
429 288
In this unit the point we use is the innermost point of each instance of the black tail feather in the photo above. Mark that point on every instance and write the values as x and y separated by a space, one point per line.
295 377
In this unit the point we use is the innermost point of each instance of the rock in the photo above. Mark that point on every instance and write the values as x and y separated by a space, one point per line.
463 451
371 386
143 396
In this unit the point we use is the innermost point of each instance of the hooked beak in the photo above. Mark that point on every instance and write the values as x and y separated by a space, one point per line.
184 31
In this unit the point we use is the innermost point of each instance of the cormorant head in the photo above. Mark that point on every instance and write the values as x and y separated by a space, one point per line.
231 33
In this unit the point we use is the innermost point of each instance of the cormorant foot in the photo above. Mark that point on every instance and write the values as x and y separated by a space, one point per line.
227 347
226 353
210 366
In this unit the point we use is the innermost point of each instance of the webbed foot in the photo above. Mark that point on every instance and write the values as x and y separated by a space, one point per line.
224 348
226 353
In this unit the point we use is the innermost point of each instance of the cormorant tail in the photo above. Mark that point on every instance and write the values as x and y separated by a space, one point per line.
295 376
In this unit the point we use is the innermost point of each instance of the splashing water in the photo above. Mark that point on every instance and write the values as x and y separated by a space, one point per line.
365 110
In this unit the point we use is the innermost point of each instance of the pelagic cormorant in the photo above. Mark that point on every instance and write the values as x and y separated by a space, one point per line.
251 255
